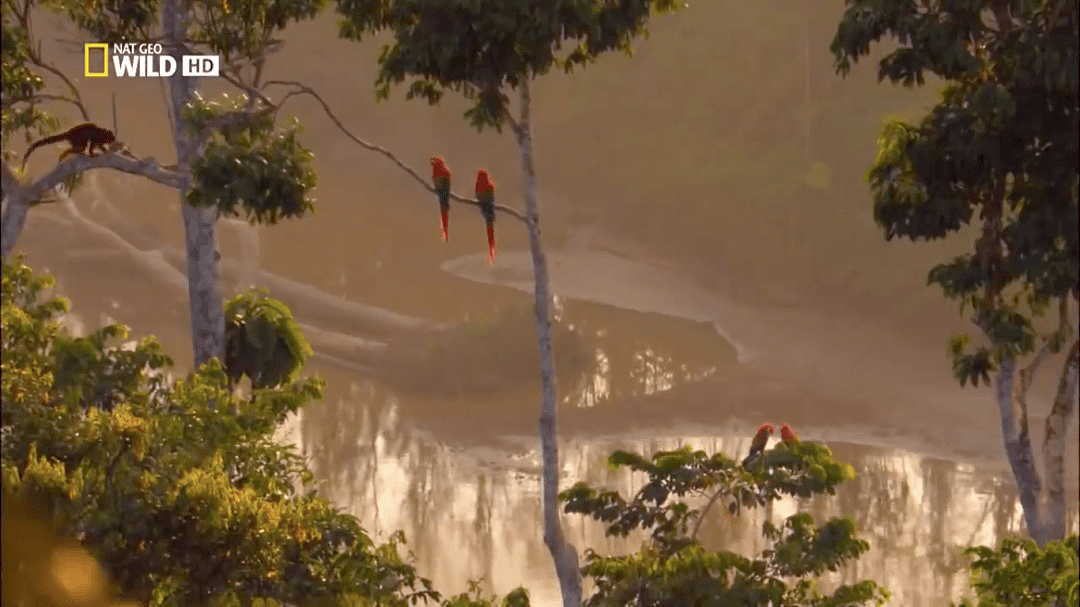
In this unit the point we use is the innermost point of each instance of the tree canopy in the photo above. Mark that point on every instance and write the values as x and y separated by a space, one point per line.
673 567
180 502
1020 574
999 150
476 48
997 153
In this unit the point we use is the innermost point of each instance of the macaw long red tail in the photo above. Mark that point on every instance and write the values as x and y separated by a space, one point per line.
491 241
444 223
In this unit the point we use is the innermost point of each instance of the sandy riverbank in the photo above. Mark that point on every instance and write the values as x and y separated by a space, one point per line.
837 373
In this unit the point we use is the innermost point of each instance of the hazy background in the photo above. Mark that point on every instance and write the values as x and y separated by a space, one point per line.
725 159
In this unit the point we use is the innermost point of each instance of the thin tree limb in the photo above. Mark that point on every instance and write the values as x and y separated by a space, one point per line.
35 58
704 511
1027 375
303 89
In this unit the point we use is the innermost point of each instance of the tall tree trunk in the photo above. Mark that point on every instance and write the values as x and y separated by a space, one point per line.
562 552
1042 499
206 305
1012 406
12 222
1052 498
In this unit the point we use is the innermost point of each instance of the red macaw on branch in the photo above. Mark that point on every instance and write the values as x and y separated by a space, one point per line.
440 175
760 439
764 431
788 435
485 195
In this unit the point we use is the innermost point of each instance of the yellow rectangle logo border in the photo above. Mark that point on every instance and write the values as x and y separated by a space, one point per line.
89 46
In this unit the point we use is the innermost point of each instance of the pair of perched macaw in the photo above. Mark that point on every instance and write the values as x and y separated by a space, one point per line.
764 432
485 195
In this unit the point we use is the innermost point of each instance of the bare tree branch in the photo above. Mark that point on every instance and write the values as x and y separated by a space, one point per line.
306 90
35 58
119 161
1027 375
705 510
251 91
60 98
303 89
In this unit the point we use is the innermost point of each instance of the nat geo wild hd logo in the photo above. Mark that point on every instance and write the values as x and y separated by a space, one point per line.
142 60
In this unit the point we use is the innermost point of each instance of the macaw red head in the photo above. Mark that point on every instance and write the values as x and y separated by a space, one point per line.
766 429
483 181
438 167
787 434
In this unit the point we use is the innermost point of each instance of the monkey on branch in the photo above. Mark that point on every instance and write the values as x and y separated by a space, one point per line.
82 138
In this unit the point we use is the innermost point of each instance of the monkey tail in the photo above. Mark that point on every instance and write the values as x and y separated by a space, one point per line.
41 142
491 241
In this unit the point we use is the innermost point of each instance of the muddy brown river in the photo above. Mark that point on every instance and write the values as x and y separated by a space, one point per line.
802 315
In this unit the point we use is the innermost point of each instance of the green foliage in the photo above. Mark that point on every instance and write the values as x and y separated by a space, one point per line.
243 29
262 341
477 47
675 568
250 165
1000 145
111 20
1020 574
19 83
474 598
180 502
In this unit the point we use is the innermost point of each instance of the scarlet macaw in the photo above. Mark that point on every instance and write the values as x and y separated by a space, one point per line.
485 195
440 175
788 435
760 439
764 431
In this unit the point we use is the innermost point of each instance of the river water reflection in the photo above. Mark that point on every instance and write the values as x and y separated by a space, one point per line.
473 512
463 483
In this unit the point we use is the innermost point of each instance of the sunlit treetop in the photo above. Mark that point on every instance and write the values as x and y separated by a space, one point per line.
478 47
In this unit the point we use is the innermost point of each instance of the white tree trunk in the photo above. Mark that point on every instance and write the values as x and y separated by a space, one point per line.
1042 499
14 211
562 552
12 222
207 306
1052 498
